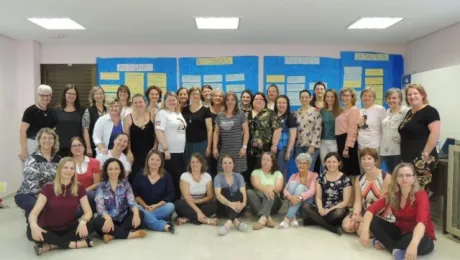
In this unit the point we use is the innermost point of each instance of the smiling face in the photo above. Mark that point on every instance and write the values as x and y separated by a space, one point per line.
266 162
121 142
259 102
123 94
272 93
183 96
305 99
171 102
138 103
68 170
330 99
46 141
113 170
114 109
332 164
99 95
207 95
44 99
302 165
77 148
230 102
368 99
281 104
154 162
405 177
393 100
414 98
346 98
195 164
368 162
227 164
71 96
195 96
319 90
154 96
246 99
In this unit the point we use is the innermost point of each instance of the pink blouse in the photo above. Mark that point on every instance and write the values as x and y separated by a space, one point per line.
311 184
347 123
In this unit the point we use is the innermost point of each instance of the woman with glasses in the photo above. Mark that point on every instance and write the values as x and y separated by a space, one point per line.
124 97
91 115
413 232
35 117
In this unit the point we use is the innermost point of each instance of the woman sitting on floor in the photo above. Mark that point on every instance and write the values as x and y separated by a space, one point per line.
369 187
333 192
196 205
117 210
230 190
264 199
53 222
412 234
154 190
300 190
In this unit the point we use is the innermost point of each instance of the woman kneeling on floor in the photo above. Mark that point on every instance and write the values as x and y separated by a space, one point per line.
117 210
264 199
333 193
197 205
230 190
299 191
154 191
413 233
53 220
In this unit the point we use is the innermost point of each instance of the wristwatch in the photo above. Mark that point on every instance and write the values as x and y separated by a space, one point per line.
300 197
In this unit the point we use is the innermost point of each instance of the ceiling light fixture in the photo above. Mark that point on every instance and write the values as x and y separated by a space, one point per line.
57 23
217 23
375 22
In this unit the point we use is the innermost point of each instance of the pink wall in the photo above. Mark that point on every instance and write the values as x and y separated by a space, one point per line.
437 50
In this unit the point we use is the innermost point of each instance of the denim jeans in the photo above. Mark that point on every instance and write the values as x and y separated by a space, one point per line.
327 146
283 164
296 189
191 148
157 220
314 156
25 202
391 162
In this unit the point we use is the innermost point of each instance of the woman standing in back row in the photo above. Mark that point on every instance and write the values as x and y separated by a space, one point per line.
91 115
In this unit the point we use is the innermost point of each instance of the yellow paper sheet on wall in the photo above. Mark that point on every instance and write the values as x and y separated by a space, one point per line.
379 102
374 81
352 84
275 78
109 88
2 187
109 95
109 76
378 90
135 82
157 79
374 72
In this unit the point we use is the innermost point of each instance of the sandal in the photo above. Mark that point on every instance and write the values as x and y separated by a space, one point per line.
377 245
295 224
283 225
89 242
222 231
181 221
242 226
38 249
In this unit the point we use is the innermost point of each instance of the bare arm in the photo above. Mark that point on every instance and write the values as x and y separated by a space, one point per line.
209 194
319 197
216 135
357 193
276 136
386 185
208 122
435 130
184 189
255 181
161 138
141 202
126 125
245 133
87 212
278 184
346 198
96 181
23 137
292 137
39 205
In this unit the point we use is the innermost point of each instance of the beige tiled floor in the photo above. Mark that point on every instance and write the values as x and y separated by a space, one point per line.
202 242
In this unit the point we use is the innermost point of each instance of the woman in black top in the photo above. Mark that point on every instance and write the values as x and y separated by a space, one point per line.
217 97
35 117
419 132
92 113
68 119
288 133
139 127
198 135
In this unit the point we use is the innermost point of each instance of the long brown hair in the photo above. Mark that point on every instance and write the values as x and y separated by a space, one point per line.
58 182
394 192
161 171
336 109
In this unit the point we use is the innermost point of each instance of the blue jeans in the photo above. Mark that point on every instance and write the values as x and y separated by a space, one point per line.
313 157
191 148
391 162
156 220
25 202
283 164
296 189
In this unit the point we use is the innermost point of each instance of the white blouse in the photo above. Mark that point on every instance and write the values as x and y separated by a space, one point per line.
391 140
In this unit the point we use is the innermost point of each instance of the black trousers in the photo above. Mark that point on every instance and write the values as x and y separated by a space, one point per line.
330 222
390 236
120 229
252 164
227 212
350 165
184 210
176 166
61 238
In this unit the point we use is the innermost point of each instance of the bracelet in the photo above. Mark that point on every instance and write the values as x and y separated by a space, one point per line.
245 146
83 220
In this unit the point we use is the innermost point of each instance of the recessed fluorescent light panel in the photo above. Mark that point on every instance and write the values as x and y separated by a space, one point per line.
217 23
57 23
374 23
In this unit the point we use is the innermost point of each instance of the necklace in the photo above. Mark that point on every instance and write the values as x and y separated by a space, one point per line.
409 116
197 180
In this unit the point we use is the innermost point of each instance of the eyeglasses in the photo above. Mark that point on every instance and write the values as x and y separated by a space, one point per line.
71 94
44 96
405 176
77 145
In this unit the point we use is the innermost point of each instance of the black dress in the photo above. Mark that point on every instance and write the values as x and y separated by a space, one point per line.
414 133
142 140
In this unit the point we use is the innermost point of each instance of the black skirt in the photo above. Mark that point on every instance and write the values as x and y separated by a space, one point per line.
350 165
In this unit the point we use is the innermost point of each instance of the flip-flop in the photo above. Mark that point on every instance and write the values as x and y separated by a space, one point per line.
222 231
242 226
283 225
295 224
377 245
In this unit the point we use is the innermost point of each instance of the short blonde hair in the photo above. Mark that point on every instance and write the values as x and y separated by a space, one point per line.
352 93
168 94
421 91
368 89
110 102
51 132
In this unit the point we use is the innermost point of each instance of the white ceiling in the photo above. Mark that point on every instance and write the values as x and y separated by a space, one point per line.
262 21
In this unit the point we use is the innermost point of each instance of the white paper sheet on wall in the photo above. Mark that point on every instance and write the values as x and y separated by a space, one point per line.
235 87
296 79
191 78
212 78
234 77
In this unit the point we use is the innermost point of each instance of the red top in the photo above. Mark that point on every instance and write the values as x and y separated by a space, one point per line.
408 217
59 212
93 167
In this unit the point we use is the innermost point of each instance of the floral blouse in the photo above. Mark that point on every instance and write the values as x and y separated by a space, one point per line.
309 127
117 204
37 172
261 129
332 192
391 140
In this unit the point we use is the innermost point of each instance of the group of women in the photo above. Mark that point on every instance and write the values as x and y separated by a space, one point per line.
236 155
